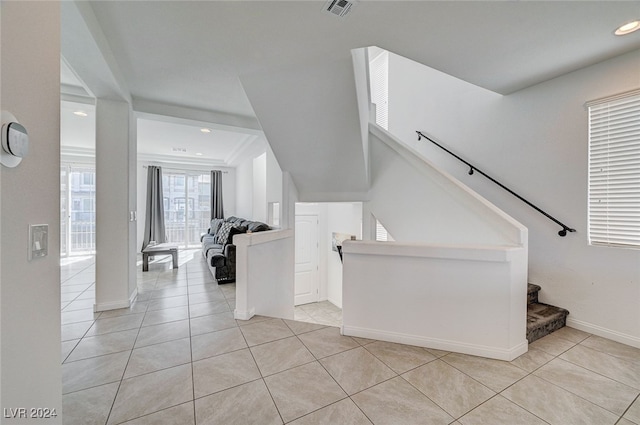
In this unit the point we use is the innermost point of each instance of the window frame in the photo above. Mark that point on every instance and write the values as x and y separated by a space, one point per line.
613 196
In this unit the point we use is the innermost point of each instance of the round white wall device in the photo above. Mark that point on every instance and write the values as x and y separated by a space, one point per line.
15 140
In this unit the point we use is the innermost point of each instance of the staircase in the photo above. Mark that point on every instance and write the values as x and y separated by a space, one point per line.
542 319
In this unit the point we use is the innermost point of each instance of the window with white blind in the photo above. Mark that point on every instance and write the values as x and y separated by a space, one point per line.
382 234
379 84
614 171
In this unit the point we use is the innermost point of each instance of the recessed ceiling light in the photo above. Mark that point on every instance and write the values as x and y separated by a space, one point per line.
80 113
199 154
205 130
628 28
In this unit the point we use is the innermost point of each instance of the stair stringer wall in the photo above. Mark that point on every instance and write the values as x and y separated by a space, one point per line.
417 202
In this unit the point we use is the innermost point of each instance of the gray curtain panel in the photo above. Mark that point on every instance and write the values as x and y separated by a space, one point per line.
216 194
154 229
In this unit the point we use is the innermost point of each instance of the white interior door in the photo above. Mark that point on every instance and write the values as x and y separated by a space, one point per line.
306 280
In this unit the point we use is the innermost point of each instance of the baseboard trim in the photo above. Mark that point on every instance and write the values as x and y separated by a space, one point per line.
604 332
439 344
339 305
114 305
133 296
243 315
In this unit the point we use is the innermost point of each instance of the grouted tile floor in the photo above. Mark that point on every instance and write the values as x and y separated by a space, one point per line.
178 356
323 312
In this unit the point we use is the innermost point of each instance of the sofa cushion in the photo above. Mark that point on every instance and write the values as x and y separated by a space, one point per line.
211 246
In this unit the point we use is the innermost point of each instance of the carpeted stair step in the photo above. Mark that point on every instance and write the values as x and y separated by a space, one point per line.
532 293
542 319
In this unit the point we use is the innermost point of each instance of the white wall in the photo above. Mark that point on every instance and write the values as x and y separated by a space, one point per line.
259 182
274 180
535 141
30 194
342 217
244 189
259 202
228 190
419 203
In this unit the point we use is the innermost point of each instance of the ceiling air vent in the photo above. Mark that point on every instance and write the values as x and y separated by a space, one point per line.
339 8
183 150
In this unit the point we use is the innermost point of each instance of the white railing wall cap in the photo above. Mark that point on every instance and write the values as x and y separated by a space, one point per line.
441 251
256 238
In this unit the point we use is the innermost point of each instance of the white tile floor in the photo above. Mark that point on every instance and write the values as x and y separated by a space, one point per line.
324 313
177 356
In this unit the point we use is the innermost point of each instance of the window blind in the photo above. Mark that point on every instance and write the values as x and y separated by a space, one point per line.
614 171
379 81
382 234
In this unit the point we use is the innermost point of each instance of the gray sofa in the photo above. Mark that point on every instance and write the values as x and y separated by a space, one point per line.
218 248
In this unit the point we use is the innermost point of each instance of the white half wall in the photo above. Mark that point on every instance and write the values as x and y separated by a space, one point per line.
536 142
264 274
30 370
469 300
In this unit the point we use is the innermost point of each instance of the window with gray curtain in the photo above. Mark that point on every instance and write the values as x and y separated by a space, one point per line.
154 229
216 194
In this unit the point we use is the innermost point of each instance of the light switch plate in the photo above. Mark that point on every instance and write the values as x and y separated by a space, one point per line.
38 241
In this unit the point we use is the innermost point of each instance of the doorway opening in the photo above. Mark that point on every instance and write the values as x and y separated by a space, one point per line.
320 229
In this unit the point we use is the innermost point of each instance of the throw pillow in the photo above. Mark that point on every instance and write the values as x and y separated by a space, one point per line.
236 230
223 234
215 225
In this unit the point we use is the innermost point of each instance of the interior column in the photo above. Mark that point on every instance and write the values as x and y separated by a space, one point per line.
115 205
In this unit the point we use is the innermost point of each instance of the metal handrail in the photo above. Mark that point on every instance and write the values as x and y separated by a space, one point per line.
473 168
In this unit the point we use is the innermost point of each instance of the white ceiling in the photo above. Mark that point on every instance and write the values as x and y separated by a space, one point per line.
164 138
194 54
158 140
77 133
191 53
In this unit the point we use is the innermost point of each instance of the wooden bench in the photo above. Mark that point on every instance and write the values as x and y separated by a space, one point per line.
159 249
